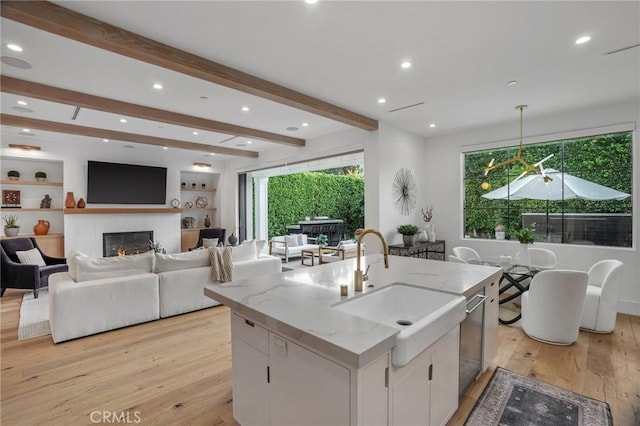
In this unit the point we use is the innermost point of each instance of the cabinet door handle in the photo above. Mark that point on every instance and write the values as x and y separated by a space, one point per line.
268 374
386 377
249 323
430 372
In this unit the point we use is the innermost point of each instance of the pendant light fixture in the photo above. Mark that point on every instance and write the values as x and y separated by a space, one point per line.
518 158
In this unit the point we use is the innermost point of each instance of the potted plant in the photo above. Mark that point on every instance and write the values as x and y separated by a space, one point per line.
40 176
13 174
408 234
525 235
11 227
499 232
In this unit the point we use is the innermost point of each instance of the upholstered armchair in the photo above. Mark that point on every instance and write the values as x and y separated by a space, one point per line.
552 306
219 233
26 275
601 303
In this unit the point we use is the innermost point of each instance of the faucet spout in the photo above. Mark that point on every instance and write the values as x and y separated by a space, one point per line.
358 275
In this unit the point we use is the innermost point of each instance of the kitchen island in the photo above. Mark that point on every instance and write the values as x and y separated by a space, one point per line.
299 360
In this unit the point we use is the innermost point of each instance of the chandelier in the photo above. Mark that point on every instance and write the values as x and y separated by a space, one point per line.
518 159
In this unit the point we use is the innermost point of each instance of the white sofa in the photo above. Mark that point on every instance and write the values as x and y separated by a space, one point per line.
290 246
102 294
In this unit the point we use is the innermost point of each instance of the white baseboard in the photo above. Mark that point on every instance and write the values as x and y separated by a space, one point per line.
631 307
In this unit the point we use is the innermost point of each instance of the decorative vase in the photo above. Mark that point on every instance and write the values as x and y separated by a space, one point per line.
408 240
207 222
81 203
522 257
432 237
70 202
40 179
42 227
11 232
422 236
193 186
204 186
233 240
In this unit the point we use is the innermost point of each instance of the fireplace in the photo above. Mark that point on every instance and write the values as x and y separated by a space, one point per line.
123 243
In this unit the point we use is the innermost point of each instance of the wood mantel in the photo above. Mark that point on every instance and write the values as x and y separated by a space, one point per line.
165 210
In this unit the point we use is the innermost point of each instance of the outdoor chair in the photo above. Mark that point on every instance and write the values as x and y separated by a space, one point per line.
552 306
601 302
344 250
16 274
465 253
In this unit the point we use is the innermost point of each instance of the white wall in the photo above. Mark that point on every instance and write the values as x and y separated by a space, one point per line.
443 178
84 232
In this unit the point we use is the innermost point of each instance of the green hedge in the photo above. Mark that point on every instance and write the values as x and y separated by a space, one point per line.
292 197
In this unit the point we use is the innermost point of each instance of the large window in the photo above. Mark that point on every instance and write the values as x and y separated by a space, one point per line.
601 159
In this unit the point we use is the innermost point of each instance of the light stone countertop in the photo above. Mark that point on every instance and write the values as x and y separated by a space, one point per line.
298 304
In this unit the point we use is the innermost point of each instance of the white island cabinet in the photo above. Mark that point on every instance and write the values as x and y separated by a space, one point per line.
278 382
297 360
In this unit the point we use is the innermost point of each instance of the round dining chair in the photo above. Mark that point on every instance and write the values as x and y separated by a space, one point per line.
601 303
541 258
465 253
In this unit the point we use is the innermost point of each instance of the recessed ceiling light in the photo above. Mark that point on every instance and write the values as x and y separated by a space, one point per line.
22 103
292 129
406 64
512 83
245 108
26 130
165 147
14 47
195 133
158 86
105 140
204 98
123 120
432 125
249 142
382 100
15 62
305 124
583 39
311 1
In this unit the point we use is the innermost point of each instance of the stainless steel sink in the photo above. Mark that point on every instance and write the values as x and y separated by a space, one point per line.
422 315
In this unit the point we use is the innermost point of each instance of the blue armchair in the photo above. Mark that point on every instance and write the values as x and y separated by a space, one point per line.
19 275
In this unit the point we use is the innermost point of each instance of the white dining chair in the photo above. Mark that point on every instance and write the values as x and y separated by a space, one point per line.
465 253
540 258
552 307
456 259
601 302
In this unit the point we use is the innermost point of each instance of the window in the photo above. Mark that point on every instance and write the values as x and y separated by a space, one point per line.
602 159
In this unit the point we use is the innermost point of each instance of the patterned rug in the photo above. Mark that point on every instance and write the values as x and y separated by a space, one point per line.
34 316
514 400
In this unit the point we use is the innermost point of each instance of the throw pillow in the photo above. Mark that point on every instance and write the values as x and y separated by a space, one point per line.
209 242
291 240
245 251
186 260
31 257
72 260
302 239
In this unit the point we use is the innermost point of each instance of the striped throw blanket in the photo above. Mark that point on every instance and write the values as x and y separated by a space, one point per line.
221 264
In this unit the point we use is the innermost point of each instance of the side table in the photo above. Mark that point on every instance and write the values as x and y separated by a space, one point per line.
423 250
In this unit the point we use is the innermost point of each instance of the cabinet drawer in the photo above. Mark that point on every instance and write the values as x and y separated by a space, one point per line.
250 332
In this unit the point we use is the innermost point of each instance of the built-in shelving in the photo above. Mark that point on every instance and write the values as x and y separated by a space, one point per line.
28 182
20 210
165 210
198 189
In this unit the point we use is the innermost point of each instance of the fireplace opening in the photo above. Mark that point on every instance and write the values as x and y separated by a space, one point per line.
124 243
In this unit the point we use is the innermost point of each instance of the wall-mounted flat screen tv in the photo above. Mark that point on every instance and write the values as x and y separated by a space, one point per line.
114 183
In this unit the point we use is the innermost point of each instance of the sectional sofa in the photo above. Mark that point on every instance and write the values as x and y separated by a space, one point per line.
100 294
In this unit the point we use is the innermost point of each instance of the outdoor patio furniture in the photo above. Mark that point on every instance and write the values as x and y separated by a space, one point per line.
344 250
288 246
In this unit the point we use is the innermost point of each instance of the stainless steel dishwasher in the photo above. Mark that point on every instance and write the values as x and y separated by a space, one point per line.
471 341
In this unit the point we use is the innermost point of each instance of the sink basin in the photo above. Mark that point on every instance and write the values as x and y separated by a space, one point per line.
423 316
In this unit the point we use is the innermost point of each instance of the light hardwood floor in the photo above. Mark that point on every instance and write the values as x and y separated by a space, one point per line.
177 371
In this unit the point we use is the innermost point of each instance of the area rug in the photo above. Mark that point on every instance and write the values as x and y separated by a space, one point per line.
514 400
34 316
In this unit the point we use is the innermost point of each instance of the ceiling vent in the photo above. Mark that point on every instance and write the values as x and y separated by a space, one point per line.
75 113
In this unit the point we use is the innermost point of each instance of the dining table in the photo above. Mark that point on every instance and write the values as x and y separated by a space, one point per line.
513 276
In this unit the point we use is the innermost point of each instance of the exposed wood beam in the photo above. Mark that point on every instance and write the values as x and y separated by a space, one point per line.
67 23
69 97
52 126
